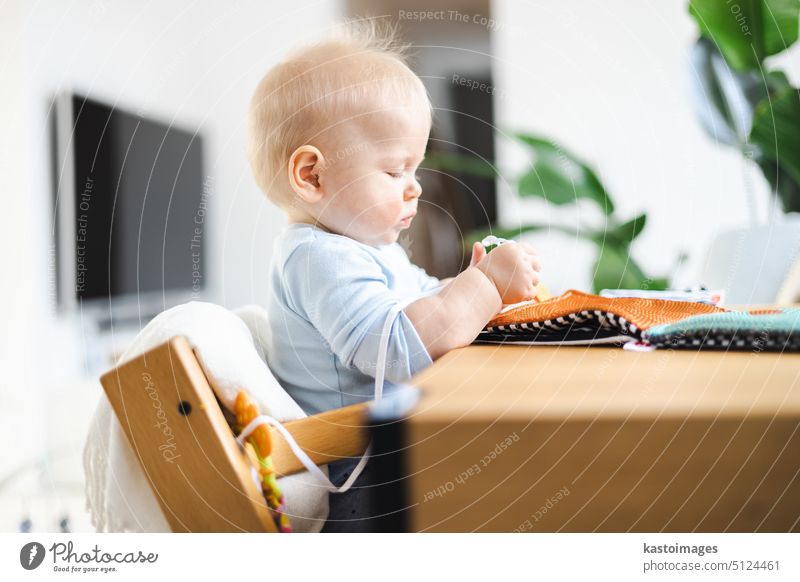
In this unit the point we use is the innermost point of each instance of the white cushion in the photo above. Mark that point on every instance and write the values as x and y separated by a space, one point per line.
118 495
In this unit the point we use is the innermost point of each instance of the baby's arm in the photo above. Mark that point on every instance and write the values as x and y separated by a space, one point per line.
455 316
478 252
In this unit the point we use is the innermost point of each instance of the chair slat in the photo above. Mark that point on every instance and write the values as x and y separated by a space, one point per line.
326 437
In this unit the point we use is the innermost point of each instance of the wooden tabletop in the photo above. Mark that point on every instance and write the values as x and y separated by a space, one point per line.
582 439
530 382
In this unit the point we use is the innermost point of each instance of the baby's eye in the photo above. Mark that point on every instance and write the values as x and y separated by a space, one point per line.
395 174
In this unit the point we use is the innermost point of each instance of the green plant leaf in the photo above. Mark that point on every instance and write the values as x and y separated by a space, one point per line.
548 183
776 129
782 185
614 269
625 233
780 27
723 99
776 134
655 284
458 163
777 81
747 31
513 233
559 177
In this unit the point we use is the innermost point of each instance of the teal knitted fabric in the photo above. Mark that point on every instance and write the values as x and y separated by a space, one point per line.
764 330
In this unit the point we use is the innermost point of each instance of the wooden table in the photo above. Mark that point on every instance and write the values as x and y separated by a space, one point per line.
520 438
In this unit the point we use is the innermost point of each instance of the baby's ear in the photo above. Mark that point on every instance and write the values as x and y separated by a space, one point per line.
305 164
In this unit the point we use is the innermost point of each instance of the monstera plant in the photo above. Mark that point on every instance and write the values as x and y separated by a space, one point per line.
741 102
561 178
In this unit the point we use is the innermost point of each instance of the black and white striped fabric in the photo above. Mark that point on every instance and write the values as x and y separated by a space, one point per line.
584 327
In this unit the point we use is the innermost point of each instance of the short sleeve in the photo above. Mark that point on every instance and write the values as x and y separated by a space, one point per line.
426 282
423 281
342 290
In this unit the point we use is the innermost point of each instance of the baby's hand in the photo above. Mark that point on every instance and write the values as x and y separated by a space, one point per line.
513 268
478 252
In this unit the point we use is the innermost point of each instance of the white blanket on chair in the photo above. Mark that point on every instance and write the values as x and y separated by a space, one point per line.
118 495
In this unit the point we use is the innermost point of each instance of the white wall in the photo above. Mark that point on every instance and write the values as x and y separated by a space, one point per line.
22 283
194 63
609 80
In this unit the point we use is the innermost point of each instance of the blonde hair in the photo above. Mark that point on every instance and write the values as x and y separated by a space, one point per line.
315 88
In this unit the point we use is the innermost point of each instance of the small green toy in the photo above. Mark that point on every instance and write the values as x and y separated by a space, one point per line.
491 242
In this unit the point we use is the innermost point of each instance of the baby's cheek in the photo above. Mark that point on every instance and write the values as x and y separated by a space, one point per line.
383 210
395 207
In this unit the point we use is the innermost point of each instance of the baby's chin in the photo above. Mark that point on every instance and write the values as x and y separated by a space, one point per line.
372 238
382 239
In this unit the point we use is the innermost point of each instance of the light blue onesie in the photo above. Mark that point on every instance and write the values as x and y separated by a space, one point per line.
329 298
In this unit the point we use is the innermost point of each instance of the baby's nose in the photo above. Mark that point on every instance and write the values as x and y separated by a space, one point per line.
414 190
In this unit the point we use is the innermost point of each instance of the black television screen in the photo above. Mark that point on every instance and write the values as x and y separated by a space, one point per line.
133 205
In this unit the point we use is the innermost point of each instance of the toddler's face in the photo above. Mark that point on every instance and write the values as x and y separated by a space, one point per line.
369 176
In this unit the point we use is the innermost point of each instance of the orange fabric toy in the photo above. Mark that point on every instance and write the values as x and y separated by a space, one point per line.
629 315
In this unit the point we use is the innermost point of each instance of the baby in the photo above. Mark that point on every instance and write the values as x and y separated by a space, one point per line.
336 135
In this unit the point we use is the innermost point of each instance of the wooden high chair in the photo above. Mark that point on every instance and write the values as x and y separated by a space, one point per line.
199 473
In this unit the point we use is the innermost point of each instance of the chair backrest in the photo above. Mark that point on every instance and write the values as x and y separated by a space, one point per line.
197 470
754 265
182 440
